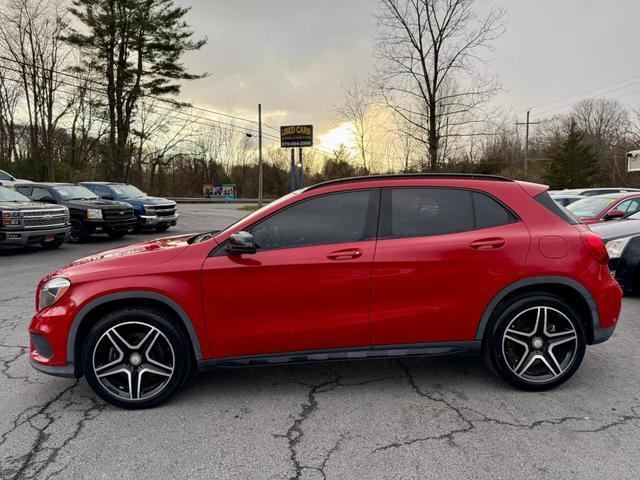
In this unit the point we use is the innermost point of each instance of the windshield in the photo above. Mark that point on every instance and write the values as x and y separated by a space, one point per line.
74 192
260 210
127 191
591 207
7 195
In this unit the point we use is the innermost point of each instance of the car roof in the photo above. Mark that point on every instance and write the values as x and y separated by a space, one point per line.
404 176
616 195
102 183
49 184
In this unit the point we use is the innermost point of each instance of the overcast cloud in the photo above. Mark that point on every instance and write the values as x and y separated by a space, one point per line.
294 55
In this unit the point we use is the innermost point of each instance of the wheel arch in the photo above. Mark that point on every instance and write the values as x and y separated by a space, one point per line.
97 308
566 288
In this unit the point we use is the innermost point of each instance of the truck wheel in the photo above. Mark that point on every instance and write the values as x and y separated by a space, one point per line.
116 234
78 233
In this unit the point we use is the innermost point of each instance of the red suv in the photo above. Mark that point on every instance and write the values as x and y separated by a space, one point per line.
382 266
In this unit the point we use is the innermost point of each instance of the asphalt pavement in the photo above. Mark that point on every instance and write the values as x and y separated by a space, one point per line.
386 419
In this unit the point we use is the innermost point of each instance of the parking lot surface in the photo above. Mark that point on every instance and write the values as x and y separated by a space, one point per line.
405 419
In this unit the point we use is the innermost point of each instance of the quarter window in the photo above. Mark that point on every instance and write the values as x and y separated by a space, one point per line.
335 218
489 213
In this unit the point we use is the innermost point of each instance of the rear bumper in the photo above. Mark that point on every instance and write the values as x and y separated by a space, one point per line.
22 238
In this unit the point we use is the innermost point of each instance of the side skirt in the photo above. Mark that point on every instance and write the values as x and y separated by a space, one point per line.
355 353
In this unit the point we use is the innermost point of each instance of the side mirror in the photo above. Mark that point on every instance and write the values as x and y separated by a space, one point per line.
613 214
241 242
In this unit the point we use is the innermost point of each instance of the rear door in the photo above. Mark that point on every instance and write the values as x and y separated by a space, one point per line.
442 254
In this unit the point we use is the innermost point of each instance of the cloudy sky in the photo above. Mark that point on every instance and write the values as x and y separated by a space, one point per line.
294 56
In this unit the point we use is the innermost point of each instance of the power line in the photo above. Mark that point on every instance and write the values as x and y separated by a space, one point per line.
141 94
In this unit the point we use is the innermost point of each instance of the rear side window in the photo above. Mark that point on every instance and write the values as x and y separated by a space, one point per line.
489 213
418 212
547 202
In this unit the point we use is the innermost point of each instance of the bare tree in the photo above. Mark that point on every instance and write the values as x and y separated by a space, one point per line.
31 46
430 53
10 96
356 112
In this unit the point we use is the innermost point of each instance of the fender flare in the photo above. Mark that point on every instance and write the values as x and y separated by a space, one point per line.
533 281
130 295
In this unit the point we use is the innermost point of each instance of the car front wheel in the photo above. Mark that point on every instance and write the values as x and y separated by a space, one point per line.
536 343
135 358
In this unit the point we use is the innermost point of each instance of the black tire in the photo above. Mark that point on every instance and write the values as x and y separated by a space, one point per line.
116 234
52 245
531 358
162 228
110 380
78 233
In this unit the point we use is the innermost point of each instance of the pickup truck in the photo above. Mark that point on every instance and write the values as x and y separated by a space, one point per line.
89 214
152 212
26 223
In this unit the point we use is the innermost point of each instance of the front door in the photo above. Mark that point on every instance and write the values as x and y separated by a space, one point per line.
442 255
306 288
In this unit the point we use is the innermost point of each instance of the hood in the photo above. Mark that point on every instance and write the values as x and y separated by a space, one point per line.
97 203
152 201
616 229
131 256
26 206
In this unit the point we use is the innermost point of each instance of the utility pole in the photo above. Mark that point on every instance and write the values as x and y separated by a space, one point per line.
526 142
259 155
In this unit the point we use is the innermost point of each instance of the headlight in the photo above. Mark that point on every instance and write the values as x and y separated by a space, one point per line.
52 291
11 219
94 214
616 247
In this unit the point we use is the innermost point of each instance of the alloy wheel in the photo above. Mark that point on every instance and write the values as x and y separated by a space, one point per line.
133 361
539 344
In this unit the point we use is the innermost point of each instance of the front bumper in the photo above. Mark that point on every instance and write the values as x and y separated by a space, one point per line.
23 237
157 221
97 226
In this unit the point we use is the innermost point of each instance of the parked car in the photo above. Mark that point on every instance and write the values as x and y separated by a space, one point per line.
591 192
565 200
25 223
152 213
463 264
622 239
606 207
89 214
8 180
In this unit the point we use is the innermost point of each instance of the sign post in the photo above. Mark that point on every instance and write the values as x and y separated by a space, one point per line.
296 136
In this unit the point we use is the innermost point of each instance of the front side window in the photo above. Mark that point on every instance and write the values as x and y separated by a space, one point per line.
327 219
419 212
40 194
5 176
629 207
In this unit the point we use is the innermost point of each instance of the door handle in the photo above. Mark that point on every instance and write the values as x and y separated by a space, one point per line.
347 254
488 243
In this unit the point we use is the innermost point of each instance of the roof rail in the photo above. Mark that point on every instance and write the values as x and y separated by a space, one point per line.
399 176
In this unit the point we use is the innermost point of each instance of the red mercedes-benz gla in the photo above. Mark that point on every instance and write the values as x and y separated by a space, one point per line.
382 266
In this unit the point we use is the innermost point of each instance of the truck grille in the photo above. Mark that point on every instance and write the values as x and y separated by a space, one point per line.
120 214
44 218
164 210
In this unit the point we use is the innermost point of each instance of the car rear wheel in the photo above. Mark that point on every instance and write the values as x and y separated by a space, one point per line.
536 343
135 358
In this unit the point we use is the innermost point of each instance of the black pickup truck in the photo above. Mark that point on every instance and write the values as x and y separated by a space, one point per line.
89 214
25 223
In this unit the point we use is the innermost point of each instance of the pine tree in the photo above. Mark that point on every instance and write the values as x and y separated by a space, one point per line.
573 163
134 48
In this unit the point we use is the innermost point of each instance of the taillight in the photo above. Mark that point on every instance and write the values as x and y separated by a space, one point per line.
596 247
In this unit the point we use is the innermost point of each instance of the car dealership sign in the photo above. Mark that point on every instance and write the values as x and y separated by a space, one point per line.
296 136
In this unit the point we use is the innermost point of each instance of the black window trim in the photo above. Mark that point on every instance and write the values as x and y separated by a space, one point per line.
385 199
372 223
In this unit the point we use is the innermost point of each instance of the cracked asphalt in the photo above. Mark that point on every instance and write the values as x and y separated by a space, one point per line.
387 419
